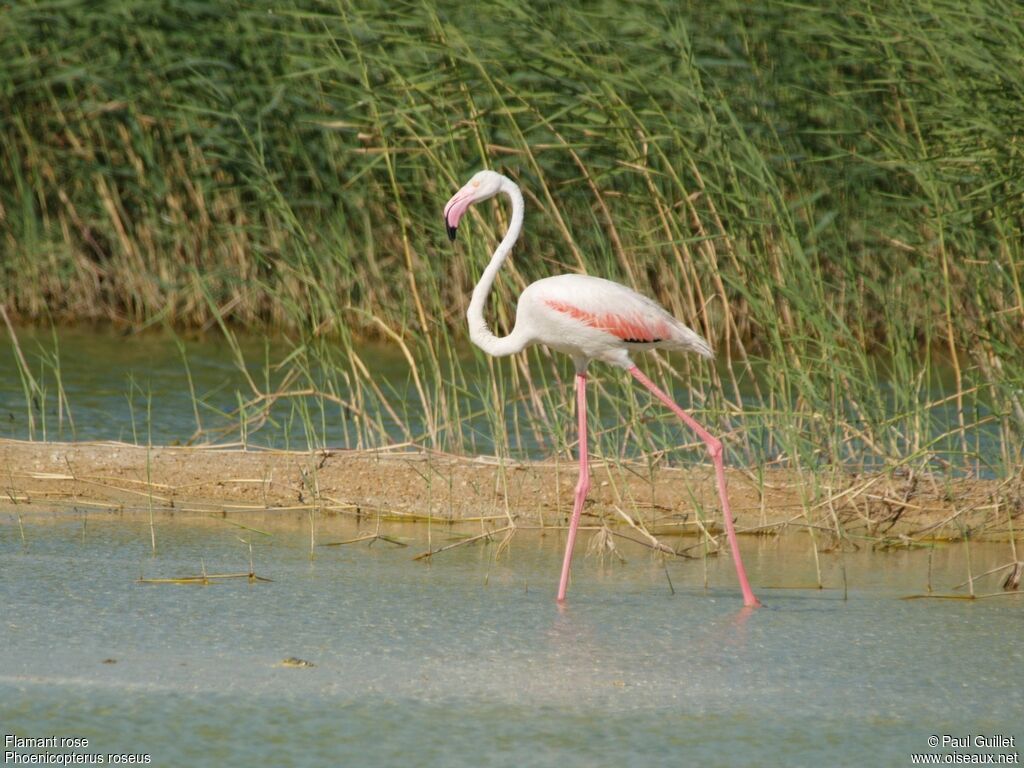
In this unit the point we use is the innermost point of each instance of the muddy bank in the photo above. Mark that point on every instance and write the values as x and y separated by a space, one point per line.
401 484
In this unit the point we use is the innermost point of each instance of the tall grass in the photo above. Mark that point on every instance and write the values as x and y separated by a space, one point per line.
834 194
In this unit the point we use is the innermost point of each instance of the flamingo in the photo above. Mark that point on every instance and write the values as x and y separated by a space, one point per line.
587 318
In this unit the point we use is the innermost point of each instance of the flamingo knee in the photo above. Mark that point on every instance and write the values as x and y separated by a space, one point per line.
582 487
714 448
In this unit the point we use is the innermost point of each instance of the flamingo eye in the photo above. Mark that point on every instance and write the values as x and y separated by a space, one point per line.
476 183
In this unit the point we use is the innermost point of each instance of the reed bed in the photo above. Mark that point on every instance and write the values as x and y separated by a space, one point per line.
833 194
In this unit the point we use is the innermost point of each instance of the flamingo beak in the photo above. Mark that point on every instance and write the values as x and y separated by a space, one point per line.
455 209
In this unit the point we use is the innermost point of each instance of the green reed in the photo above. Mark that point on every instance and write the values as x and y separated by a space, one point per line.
832 193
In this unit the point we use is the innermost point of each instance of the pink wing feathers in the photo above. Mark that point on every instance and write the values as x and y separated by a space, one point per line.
627 316
629 326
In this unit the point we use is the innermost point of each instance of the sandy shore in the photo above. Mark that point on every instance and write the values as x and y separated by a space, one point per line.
405 485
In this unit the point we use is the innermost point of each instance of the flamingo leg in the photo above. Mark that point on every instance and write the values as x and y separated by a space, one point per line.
582 485
714 446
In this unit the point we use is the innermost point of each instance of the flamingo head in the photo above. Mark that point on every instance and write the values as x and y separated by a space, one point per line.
483 185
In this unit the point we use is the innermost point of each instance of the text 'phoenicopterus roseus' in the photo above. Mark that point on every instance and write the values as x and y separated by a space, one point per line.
588 318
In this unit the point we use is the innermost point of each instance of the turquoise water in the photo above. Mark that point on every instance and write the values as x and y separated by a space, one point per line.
101 384
135 388
467 661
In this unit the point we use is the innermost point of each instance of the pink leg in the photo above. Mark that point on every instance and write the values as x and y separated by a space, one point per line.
582 486
715 449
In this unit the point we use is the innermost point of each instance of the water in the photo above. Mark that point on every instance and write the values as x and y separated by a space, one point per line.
136 388
468 661
108 378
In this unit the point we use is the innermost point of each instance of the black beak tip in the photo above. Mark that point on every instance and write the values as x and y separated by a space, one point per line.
451 231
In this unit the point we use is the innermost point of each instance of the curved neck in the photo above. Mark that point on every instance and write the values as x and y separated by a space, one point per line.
479 333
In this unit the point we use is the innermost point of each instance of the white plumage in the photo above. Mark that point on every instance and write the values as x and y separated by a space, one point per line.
593 318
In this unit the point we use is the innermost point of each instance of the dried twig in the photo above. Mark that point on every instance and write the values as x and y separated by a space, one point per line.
470 540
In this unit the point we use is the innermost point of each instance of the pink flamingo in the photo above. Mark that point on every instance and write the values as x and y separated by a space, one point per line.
587 318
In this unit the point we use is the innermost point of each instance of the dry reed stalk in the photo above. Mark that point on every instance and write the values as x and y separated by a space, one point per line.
470 540
206 578
370 537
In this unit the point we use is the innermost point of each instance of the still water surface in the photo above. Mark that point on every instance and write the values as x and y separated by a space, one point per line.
152 387
134 388
468 661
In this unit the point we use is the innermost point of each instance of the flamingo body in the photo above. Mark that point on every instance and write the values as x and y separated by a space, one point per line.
587 318
590 318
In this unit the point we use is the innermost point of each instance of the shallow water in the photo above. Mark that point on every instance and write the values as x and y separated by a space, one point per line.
136 388
468 661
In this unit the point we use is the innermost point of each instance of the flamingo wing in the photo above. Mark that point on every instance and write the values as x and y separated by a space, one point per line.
609 307
628 326
620 316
